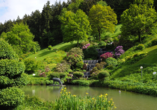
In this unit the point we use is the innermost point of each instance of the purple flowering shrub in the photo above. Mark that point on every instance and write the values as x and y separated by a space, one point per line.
86 46
106 55
119 51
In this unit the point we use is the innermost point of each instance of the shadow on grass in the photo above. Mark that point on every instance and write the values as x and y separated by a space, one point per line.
46 53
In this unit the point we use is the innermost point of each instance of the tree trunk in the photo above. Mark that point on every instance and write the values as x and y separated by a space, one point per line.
99 34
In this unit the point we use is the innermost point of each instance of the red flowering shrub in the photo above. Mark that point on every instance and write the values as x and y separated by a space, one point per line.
106 55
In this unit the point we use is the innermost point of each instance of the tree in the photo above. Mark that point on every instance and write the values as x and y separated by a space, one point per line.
20 38
74 26
11 74
139 19
102 17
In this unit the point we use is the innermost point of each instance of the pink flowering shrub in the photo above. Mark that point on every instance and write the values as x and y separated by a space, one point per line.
86 46
106 55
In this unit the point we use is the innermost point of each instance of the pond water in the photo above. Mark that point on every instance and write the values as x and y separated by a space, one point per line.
123 100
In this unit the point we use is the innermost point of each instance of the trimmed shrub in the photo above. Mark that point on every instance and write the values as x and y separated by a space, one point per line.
6 51
10 73
11 97
140 47
103 74
53 75
11 68
90 52
78 74
50 47
118 51
154 41
62 75
111 61
77 51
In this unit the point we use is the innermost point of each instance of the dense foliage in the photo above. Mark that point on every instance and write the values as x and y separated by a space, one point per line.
11 70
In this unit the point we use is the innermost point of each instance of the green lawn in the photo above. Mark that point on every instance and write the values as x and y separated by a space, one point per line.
42 54
135 68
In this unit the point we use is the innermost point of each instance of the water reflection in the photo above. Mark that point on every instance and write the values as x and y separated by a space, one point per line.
123 100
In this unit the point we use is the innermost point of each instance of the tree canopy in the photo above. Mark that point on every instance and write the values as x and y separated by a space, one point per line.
102 18
20 38
75 26
139 19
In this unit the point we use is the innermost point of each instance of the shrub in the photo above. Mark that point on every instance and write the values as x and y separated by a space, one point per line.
42 74
90 52
11 97
140 47
154 41
79 64
110 67
106 55
77 51
78 74
62 75
53 75
10 68
50 47
102 44
31 65
103 74
73 59
62 67
6 51
111 61
86 46
118 51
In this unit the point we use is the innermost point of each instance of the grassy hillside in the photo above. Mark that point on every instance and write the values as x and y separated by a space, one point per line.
147 61
56 54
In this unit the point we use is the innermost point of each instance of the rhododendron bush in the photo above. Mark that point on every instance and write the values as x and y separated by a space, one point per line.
119 51
106 55
86 46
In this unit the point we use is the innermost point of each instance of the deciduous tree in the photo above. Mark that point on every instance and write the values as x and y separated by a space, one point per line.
102 17
139 19
74 26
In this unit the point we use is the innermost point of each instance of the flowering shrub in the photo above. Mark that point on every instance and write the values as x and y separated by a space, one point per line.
73 59
86 46
106 55
118 51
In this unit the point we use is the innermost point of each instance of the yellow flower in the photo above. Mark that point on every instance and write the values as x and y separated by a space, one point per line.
115 107
86 93
93 98
106 94
111 99
65 88
108 101
60 92
74 95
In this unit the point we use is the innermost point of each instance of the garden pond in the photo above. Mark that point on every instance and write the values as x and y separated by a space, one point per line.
123 100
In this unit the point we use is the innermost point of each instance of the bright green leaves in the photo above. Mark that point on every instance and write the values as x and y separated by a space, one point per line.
75 26
20 38
138 19
102 17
